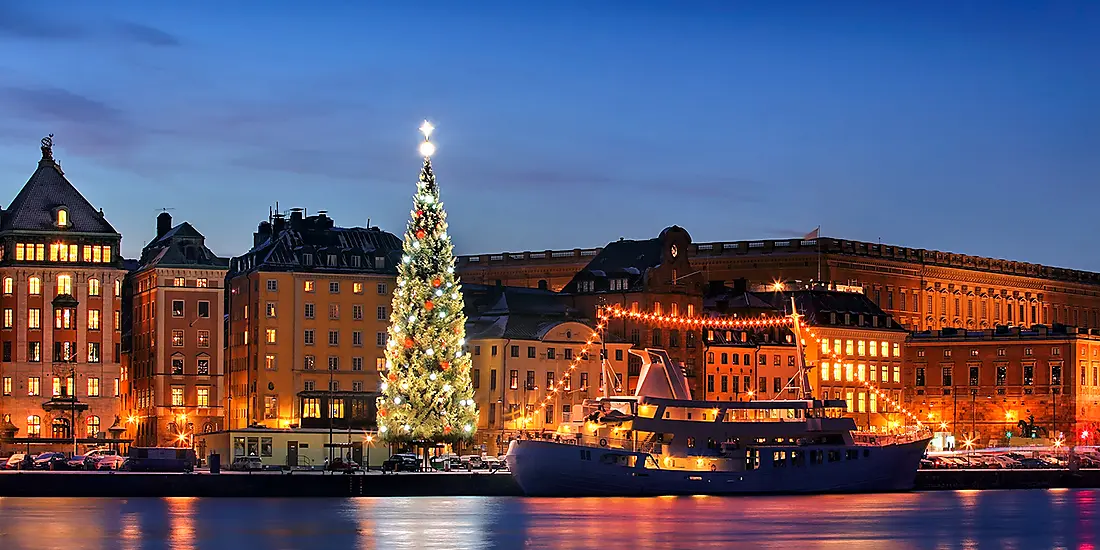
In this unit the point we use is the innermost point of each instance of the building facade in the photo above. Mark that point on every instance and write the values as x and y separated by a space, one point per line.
741 366
173 373
309 305
921 289
1003 385
523 342
652 276
60 339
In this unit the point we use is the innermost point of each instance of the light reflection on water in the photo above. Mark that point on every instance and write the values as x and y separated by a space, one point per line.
1023 520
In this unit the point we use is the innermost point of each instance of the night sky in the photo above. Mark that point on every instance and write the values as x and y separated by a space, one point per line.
963 126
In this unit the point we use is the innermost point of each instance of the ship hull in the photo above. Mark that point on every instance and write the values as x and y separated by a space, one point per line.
546 468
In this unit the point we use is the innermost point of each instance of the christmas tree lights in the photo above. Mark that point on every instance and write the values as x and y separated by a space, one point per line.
426 391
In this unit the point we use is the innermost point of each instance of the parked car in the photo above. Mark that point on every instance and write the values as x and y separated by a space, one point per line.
49 461
109 462
15 461
447 462
493 463
246 464
161 459
341 465
401 463
472 462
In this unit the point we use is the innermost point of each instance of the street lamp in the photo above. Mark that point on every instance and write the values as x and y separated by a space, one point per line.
370 440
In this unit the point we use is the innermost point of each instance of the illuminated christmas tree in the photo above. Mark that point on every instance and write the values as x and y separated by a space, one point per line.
426 392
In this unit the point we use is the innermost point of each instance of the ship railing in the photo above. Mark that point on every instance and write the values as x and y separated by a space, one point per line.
624 444
879 439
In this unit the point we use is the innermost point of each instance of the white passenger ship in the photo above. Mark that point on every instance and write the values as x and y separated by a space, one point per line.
661 442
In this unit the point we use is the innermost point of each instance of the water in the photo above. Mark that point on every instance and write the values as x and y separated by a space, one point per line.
1028 520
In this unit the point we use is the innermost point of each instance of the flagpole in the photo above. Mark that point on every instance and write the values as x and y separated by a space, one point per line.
817 241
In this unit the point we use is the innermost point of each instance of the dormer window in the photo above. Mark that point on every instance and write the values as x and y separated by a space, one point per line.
62 217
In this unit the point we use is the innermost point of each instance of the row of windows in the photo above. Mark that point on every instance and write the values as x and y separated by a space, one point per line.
63 352
61 252
851 372
333 385
726 358
309 337
271 362
202 396
62 387
60 426
202 365
309 311
333 286
861 348
1027 375
862 402
64 318
1001 352
203 309
736 384
64 286
202 338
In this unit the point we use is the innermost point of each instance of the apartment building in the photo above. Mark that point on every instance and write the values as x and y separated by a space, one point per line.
175 361
309 305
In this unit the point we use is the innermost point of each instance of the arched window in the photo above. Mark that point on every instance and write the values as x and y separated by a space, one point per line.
93 426
62 217
64 284
61 428
207 428
9 285
34 286
34 425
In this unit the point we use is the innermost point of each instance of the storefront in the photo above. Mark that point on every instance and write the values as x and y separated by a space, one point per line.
292 447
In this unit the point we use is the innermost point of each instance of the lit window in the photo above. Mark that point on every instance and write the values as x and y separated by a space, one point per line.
93 352
861 348
691 310
93 387
34 286
62 217
897 350
848 347
311 407
177 308
33 386
874 348
34 425
9 285
337 408
824 371
64 284
309 286
177 338
269 362
93 319
177 396
270 336
204 338
203 365
201 283
179 281
203 395
93 287
357 288
177 365
271 309
118 287
9 317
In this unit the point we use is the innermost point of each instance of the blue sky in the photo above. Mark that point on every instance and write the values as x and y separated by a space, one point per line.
963 126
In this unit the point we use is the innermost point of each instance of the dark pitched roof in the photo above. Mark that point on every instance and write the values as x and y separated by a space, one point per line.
827 308
182 246
627 259
514 312
307 243
34 207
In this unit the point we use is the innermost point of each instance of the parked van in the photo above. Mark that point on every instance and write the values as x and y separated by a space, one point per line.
161 459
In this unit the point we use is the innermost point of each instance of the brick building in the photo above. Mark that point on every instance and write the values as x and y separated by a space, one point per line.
309 305
175 361
983 385
653 276
62 280
921 289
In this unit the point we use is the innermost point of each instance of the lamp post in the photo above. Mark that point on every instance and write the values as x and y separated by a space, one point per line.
370 439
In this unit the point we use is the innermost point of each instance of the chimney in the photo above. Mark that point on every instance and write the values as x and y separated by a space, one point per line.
740 285
263 231
164 224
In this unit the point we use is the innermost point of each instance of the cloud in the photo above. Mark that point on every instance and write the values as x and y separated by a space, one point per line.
59 104
32 25
144 34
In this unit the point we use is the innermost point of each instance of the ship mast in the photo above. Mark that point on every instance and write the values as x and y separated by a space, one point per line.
803 378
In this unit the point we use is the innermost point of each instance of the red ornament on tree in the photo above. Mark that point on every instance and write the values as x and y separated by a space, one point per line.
429 305
436 281
393 377
419 213
409 343
381 412
446 429
420 233
445 365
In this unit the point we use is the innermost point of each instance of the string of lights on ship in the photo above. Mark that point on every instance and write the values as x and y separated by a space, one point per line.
618 312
